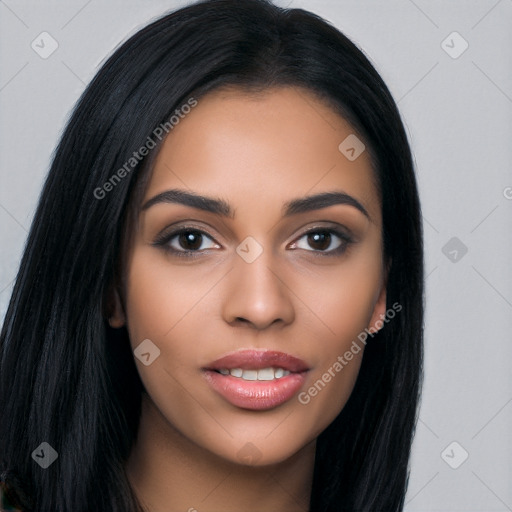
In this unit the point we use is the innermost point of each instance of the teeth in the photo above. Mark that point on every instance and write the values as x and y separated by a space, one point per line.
266 374
250 375
263 374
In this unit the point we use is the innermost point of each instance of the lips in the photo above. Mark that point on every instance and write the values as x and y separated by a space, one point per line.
255 379
258 359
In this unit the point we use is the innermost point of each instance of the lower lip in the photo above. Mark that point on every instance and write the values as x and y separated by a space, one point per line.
256 395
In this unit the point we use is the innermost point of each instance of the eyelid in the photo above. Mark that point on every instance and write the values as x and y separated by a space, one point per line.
345 237
342 231
169 233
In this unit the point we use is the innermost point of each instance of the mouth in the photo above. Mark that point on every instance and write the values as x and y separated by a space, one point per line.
252 375
256 380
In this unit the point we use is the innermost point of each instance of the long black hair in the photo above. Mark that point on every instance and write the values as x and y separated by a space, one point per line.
69 380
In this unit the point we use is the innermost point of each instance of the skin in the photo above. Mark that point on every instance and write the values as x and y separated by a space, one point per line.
256 152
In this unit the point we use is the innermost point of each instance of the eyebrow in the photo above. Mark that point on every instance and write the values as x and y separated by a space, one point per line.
220 207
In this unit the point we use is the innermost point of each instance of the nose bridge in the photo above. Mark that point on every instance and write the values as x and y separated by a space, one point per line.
256 293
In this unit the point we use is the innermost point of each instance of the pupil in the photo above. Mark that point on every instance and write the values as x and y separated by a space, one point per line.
190 240
321 240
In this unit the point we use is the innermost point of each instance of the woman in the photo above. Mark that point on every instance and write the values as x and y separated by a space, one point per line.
220 304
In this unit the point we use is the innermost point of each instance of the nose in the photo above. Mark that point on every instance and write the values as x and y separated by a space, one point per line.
256 295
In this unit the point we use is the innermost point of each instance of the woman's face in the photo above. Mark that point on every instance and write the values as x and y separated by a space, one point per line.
276 285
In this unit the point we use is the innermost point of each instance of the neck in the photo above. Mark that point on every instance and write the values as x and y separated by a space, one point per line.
169 472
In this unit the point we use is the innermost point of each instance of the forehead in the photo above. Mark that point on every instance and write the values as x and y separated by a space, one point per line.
259 150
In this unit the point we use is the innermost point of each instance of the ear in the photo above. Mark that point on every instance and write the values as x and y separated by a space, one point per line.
379 310
114 308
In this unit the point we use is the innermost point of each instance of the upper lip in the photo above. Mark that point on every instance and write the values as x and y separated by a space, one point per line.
258 359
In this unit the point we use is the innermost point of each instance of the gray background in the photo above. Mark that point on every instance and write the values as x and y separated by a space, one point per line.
458 116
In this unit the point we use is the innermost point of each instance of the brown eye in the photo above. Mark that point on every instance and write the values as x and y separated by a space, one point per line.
320 240
190 240
186 242
324 242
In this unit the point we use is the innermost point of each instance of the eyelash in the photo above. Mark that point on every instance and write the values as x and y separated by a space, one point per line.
164 239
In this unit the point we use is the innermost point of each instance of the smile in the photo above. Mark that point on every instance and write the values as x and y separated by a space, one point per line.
256 380
263 374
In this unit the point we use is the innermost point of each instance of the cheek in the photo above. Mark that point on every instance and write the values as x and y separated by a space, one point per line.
160 295
343 301
344 297
166 303
345 310
160 304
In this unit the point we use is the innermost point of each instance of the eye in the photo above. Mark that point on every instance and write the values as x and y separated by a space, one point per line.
189 241
185 241
323 241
